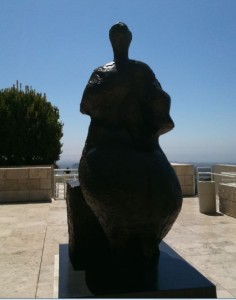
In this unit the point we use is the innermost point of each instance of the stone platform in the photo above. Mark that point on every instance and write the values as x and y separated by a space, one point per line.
175 279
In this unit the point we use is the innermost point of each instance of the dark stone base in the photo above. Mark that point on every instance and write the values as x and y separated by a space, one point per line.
174 278
88 244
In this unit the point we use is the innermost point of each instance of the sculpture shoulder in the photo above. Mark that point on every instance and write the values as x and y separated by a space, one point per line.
99 74
116 80
141 65
96 85
127 69
119 64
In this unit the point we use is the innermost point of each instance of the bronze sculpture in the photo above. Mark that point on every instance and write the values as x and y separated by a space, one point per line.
131 195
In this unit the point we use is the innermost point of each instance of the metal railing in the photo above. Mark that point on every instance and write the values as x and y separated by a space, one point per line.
231 178
61 176
204 174
227 178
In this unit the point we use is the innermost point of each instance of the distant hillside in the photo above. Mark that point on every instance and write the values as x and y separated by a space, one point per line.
71 164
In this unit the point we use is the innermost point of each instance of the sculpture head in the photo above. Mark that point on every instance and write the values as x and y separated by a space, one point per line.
120 38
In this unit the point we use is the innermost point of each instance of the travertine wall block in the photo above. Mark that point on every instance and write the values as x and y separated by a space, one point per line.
11 184
219 169
228 207
183 169
17 173
186 176
188 190
14 196
25 184
44 195
186 180
19 196
45 184
226 188
227 199
189 180
224 168
3 173
38 173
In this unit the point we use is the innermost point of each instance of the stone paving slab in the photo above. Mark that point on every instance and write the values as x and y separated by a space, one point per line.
30 235
208 242
22 234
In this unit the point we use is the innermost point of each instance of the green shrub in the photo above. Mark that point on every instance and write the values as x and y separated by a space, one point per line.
30 129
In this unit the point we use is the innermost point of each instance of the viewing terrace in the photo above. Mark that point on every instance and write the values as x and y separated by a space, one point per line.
30 235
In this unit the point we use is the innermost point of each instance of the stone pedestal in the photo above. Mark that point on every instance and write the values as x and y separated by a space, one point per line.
175 278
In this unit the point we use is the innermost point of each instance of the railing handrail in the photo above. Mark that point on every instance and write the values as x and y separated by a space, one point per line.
65 170
66 175
219 174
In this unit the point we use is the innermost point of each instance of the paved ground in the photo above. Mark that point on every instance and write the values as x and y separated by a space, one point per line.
29 239
30 235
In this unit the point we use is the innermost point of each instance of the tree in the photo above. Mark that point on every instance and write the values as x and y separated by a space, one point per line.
30 129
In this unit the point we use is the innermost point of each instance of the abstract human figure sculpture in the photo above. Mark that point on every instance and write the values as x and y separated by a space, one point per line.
125 178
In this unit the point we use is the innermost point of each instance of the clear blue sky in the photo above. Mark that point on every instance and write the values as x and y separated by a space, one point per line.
54 45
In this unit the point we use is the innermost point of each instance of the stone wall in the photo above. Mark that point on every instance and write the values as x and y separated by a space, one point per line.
32 184
226 188
26 184
219 169
186 175
224 168
227 199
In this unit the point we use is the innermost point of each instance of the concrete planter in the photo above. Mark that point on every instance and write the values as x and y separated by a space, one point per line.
207 196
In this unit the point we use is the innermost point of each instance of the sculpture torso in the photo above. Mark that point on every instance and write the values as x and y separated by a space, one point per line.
127 106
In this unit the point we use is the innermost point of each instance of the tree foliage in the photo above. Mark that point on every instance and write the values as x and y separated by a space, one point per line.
30 129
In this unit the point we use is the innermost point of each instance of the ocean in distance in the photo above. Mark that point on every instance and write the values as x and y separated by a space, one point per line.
73 164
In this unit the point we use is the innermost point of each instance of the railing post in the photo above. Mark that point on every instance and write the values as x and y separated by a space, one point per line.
60 181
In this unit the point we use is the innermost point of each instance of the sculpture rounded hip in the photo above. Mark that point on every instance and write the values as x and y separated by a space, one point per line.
134 195
125 177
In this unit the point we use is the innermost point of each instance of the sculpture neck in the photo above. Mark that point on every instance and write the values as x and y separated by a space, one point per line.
120 54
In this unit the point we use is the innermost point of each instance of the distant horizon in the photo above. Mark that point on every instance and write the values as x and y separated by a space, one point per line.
70 162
